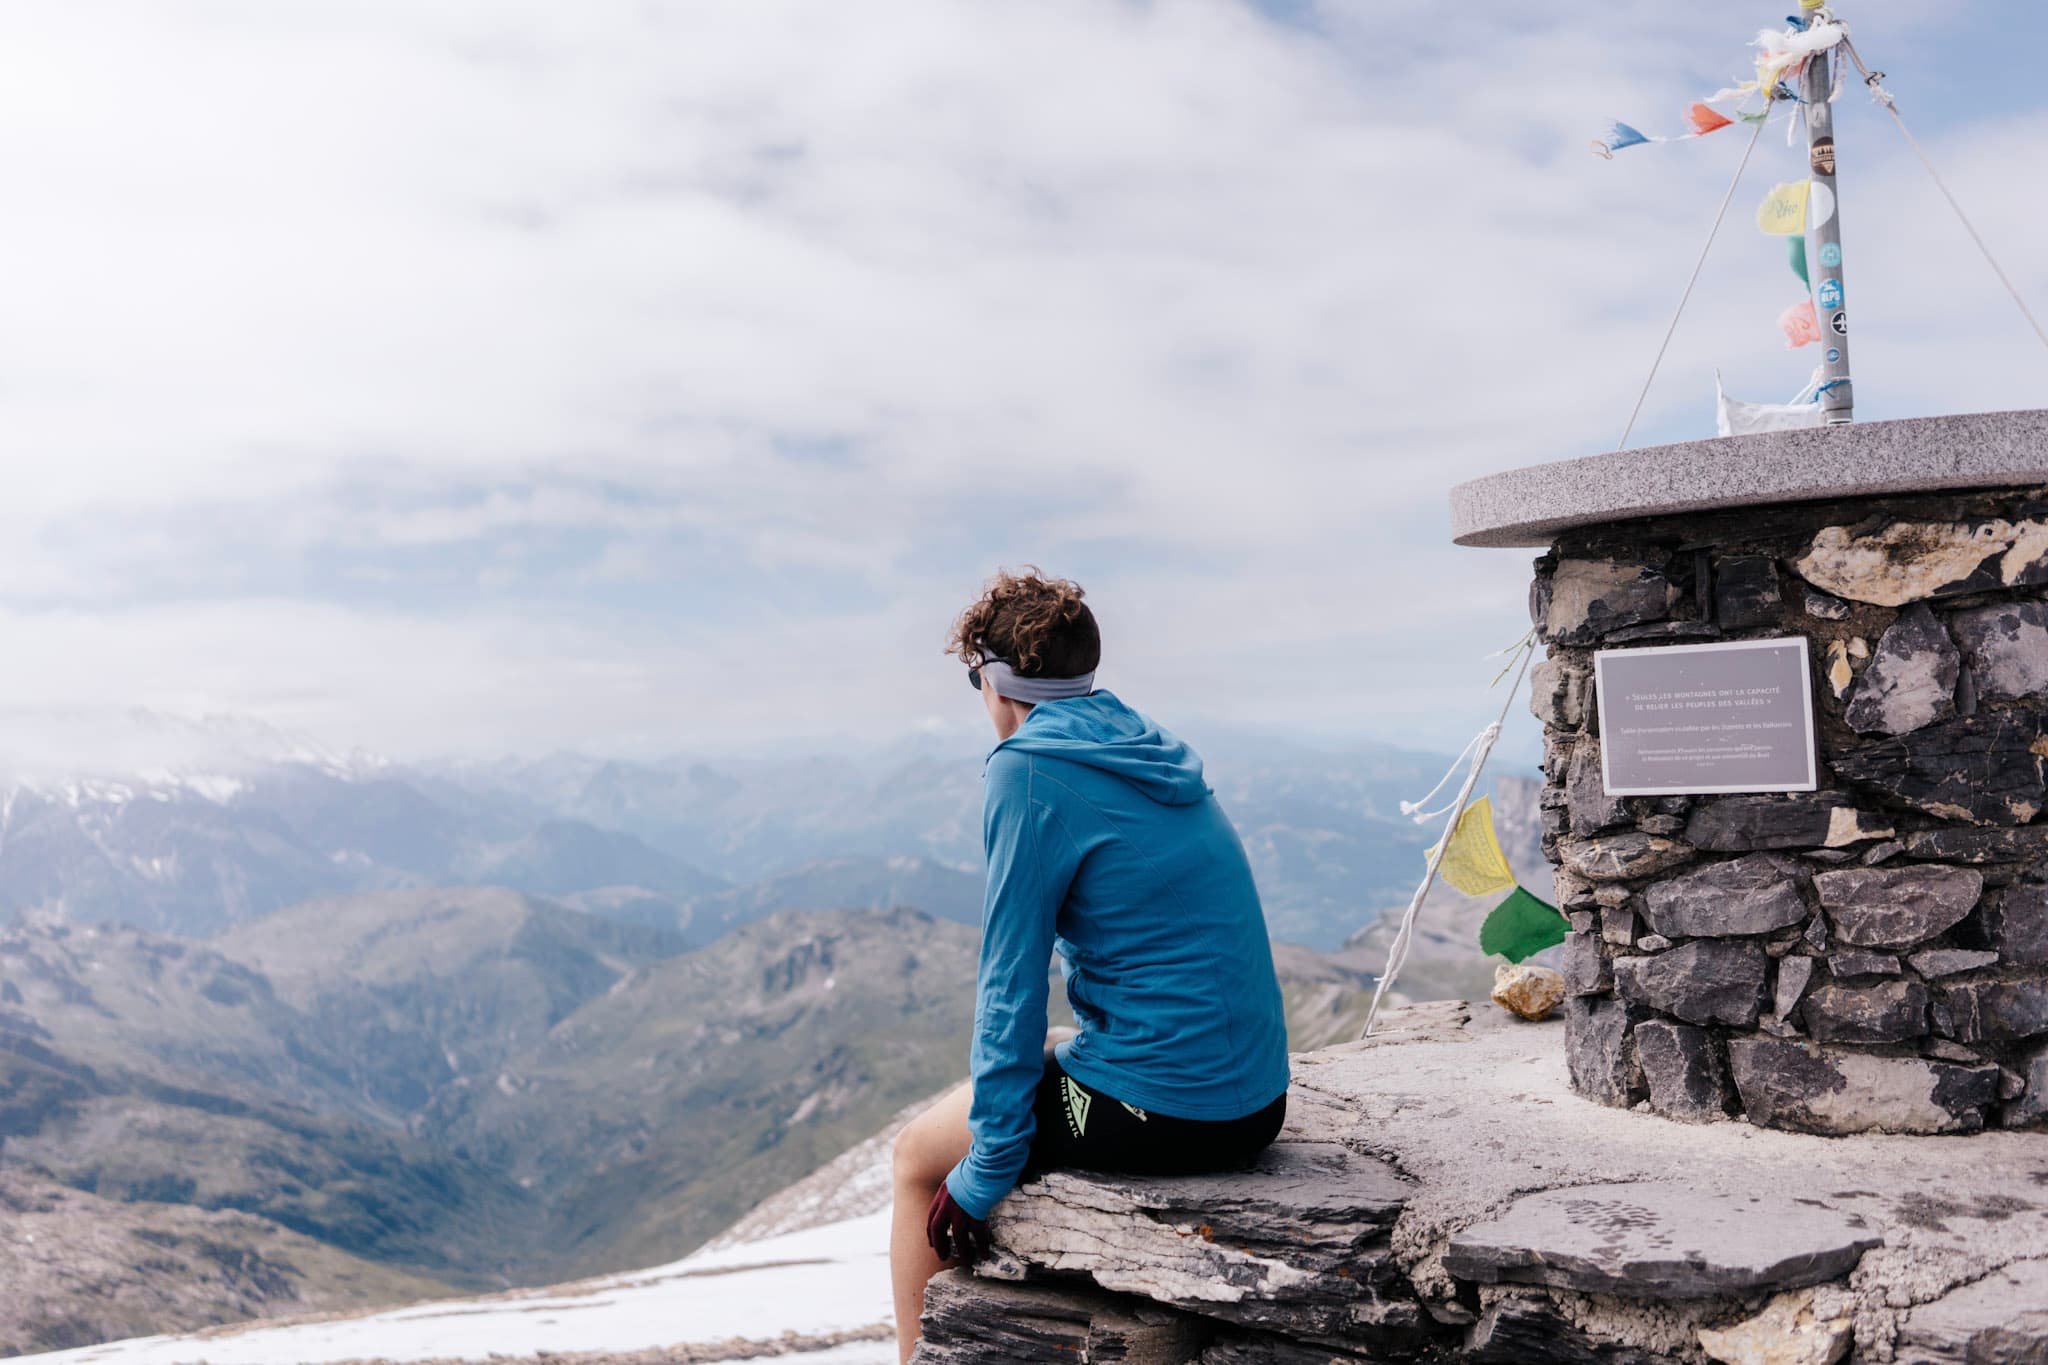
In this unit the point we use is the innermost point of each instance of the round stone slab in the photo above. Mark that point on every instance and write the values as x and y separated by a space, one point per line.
1655 1240
1857 459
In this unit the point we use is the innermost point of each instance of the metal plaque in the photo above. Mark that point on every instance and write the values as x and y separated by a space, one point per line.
1693 719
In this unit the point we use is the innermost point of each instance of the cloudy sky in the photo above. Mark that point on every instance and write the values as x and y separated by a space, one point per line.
635 377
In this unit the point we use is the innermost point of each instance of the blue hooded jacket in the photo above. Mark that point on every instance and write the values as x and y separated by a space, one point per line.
1105 843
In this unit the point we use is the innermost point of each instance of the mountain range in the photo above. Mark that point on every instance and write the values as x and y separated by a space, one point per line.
473 1088
688 845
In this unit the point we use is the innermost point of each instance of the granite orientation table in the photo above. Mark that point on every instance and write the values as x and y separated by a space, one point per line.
1867 955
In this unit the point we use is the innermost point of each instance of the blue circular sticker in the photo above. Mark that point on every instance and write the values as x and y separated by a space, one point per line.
1831 253
1834 354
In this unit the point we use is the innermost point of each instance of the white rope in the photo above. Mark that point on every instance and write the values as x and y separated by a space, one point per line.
1884 98
1414 808
1481 746
1686 297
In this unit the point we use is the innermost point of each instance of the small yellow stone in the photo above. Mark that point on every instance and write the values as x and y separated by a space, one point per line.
1526 989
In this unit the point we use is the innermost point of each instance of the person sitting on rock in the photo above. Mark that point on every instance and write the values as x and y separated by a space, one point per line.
1105 844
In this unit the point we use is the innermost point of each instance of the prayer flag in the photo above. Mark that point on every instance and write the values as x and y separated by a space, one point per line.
1618 137
1705 120
1783 211
1521 926
1473 862
1800 325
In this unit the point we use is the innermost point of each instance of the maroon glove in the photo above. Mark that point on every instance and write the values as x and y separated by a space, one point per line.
957 1235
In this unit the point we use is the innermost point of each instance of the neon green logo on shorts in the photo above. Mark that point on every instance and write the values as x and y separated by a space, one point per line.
1078 1101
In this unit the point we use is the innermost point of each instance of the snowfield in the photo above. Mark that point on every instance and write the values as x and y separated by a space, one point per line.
811 1282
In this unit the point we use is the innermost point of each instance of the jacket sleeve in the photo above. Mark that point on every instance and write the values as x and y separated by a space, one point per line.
1031 862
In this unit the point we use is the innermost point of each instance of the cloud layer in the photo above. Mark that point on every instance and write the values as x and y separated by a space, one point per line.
434 377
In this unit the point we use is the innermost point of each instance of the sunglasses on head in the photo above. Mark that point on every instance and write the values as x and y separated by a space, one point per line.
974 678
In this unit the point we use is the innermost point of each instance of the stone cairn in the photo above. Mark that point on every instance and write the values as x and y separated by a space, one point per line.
1869 956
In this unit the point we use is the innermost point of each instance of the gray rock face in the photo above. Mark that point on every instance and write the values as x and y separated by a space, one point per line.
969 1321
1984 768
1896 907
1966 845
2000 1319
1882 1012
1861 962
1586 972
1746 592
1617 925
1559 693
2006 647
1683 1068
2016 924
1591 808
1297 1244
1752 895
1991 1011
1586 599
1620 857
1666 1240
1707 981
1795 974
1822 607
1600 1052
1934 962
1912 680
2032 1104
1740 824
1814 1088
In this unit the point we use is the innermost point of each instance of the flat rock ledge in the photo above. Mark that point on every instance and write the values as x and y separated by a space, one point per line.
1440 1193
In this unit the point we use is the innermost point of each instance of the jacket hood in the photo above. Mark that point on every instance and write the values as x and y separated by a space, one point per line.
1101 732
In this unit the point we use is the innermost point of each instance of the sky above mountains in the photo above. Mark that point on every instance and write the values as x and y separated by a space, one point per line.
457 378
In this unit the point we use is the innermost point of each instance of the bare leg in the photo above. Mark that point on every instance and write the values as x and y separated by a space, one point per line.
929 1146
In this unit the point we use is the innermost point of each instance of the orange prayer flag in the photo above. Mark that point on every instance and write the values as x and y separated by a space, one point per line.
1705 120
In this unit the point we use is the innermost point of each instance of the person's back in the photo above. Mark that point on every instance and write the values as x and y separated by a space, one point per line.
1169 971
1106 845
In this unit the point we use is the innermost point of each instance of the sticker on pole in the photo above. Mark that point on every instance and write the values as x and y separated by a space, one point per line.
1831 293
1831 254
1824 156
1839 323
1820 206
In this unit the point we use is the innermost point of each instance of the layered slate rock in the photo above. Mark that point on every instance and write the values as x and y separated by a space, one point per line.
1622 857
1583 600
1752 895
1911 682
1999 1319
1586 801
1881 1012
1746 592
1600 1050
1559 694
1707 981
1298 1244
1815 1088
987 1322
1586 969
2016 924
1683 1067
1885 907
2006 647
1984 768
1741 824
1992 1011
1652 1239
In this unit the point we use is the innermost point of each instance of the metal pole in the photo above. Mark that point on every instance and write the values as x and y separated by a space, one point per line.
1824 233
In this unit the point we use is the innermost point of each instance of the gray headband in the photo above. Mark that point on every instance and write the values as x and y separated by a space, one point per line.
1007 683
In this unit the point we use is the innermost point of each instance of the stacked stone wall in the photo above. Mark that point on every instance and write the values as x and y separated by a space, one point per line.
1872 955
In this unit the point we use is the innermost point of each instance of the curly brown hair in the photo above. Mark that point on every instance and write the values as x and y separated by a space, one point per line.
1038 625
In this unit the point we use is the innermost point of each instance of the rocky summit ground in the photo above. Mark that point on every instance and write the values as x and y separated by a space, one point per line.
1441 1193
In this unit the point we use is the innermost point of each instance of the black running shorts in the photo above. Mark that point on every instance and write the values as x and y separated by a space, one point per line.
1084 1129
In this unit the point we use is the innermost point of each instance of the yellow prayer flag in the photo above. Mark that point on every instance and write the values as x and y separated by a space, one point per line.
1783 211
1474 863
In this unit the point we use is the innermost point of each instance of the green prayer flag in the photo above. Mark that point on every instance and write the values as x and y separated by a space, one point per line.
1798 248
1522 925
